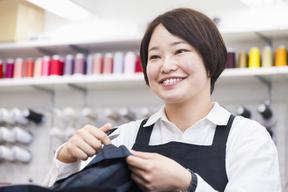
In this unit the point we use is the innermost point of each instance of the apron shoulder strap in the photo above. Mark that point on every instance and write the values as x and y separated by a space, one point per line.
144 133
222 132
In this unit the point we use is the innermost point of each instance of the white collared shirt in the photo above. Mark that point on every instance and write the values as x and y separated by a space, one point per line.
251 156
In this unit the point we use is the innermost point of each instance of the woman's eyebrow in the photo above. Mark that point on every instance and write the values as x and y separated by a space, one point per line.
171 44
177 43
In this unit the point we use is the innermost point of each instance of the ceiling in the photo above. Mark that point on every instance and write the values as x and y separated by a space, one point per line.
144 10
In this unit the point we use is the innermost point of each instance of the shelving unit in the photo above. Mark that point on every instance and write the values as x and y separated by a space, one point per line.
103 81
235 86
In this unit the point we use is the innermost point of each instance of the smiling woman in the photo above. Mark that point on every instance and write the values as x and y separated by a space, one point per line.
191 143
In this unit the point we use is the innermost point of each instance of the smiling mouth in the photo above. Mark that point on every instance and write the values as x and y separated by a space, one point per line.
171 81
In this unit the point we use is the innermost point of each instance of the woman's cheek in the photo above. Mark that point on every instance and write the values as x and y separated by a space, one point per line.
188 66
151 72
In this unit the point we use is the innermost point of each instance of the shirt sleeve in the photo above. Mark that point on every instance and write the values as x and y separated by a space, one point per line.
251 159
60 170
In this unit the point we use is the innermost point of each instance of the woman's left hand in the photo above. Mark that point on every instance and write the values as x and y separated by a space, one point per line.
155 172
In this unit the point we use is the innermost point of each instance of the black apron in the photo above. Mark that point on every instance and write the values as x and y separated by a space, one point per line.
207 161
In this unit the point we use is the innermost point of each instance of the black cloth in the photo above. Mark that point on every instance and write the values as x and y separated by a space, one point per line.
207 161
107 172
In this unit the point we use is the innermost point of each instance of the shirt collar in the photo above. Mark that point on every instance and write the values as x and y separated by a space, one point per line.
218 115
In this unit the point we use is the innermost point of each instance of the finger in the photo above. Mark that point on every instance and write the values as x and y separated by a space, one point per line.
91 140
139 181
78 153
144 155
100 134
82 145
136 162
106 127
138 172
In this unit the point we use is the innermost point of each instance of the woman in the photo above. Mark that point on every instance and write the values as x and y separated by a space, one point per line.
191 143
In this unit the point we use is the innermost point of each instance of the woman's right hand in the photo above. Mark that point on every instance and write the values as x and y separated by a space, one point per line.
85 143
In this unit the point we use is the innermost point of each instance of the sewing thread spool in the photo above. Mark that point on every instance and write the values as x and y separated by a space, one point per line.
18 69
108 63
56 66
79 65
138 64
231 59
281 56
68 66
254 58
118 63
38 67
98 61
29 67
129 63
9 68
1 69
45 66
267 57
89 66
242 59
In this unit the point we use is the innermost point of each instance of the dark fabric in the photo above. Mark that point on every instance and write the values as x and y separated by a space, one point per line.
24 188
207 161
108 171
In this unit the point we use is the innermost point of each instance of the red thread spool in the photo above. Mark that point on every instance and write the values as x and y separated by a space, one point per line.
139 68
56 66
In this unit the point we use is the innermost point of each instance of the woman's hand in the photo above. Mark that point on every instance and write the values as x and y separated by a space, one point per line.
155 172
85 143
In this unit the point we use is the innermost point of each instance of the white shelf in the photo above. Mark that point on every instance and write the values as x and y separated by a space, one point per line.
40 47
274 74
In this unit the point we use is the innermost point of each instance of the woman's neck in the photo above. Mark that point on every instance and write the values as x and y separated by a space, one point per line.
186 114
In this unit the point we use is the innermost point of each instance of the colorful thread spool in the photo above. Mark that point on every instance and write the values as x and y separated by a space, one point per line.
254 58
29 67
267 57
1 69
9 72
139 68
108 63
69 65
79 65
98 61
89 65
231 59
118 63
18 69
281 56
130 63
45 66
56 67
38 67
242 59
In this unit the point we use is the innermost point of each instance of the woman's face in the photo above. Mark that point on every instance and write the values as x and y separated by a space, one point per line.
175 70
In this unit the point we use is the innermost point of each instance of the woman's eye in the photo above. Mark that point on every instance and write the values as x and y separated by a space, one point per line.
179 51
154 57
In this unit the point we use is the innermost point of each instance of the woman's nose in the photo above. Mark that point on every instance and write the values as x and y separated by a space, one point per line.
168 65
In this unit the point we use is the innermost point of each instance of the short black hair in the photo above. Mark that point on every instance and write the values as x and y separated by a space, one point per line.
199 31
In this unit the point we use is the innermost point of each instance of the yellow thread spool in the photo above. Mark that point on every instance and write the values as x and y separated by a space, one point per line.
267 57
242 59
281 56
254 57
